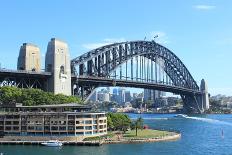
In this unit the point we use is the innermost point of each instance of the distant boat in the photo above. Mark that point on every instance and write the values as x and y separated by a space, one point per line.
53 143
181 116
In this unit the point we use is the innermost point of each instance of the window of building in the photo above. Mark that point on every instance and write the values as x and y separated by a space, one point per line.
88 133
79 116
7 128
80 133
71 117
62 128
101 126
54 128
79 127
80 122
71 122
70 128
88 128
8 122
15 122
88 122
46 128
30 127
40 128
23 128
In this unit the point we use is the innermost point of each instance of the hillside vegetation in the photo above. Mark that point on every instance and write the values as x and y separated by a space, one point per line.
30 97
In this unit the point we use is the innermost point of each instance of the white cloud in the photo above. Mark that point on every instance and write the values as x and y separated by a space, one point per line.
162 37
204 7
106 41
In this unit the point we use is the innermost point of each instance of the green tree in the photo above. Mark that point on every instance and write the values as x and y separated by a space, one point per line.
10 94
120 121
30 97
110 124
138 124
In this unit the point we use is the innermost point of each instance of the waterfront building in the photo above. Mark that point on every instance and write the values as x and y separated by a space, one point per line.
29 58
51 120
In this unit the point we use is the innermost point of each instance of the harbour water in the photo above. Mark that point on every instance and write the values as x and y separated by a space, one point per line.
201 135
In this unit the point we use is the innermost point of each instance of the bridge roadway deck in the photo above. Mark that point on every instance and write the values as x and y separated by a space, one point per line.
94 81
22 73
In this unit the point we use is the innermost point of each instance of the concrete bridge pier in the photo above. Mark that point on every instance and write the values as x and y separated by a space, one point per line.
205 95
197 103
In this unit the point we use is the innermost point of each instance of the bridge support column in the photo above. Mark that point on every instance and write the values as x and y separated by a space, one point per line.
58 63
197 103
205 95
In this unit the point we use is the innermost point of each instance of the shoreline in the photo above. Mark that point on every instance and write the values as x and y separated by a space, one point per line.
144 140
173 137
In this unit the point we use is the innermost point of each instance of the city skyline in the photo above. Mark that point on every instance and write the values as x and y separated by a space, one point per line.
199 33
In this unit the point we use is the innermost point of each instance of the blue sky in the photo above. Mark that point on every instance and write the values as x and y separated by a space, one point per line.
199 32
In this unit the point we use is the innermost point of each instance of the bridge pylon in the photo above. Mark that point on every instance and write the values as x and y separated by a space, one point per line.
197 103
205 95
58 63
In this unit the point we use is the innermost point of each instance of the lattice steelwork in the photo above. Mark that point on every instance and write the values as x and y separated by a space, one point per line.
139 61
24 79
103 61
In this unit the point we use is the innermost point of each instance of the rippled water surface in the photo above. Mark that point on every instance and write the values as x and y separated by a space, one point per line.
201 135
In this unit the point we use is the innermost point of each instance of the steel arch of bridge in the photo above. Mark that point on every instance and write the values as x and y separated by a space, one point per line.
101 62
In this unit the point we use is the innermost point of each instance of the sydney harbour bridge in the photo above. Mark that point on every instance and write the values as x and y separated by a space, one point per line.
137 64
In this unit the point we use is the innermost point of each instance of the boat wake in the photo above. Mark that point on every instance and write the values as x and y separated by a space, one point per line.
210 120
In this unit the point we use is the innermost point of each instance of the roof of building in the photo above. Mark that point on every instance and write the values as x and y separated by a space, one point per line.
69 105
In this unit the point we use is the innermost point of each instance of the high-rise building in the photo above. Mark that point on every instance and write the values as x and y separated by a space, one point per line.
58 63
152 95
29 58
127 96
121 95
115 95
103 96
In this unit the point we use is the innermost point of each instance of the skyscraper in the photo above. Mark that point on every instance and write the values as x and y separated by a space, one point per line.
127 96
121 95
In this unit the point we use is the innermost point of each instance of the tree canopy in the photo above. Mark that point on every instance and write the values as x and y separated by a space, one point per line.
30 97
118 121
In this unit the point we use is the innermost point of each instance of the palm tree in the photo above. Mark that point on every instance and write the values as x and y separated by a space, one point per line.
138 125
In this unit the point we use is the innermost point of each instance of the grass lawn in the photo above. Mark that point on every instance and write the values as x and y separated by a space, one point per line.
110 134
146 133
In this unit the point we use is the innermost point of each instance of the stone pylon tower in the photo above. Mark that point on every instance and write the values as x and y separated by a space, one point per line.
205 95
58 63
29 58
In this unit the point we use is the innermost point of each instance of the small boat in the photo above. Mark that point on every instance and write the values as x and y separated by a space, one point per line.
52 143
181 116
